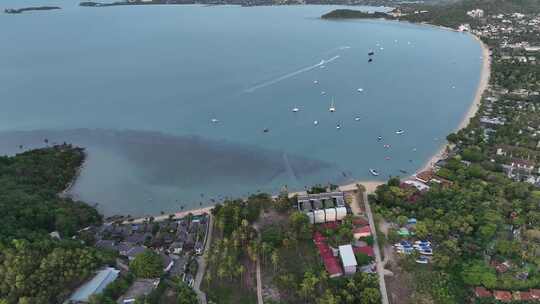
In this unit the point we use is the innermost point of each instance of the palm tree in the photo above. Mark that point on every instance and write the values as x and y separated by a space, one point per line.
275 260
240 270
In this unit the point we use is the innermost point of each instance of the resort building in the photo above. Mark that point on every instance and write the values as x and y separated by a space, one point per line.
94 286
323 207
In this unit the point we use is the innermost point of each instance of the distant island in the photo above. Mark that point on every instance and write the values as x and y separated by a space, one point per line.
33 8
354 14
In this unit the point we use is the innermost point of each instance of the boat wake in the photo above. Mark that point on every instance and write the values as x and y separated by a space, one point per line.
287 76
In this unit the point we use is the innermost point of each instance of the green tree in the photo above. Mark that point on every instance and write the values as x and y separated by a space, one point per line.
147 265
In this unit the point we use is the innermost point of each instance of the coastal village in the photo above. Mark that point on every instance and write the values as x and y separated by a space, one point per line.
464 229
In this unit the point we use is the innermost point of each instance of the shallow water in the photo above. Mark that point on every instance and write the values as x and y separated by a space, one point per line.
163 72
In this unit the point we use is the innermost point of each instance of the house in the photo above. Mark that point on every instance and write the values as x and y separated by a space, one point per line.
139 288
522 296
420 186
360 221
348 260
95 286
361 232
481 292
132 252
503 296
535 293
176 247
424 176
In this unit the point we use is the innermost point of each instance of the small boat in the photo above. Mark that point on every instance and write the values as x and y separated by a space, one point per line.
387 146
214 120
379 138
360 90
399 132
382 48
370 60
403 171
315 122
323 93
357 118
295 110
266 130
332 106
316 82
338 126
387 158
371 53
322 62
322 66
373 172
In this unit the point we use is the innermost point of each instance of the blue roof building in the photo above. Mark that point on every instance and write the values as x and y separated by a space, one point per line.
95 286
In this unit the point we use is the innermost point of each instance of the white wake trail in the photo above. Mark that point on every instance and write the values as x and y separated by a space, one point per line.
287 76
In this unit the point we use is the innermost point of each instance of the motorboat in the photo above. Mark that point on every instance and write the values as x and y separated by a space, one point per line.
399 132
373 172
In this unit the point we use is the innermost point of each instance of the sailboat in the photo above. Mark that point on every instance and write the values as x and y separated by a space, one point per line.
332 106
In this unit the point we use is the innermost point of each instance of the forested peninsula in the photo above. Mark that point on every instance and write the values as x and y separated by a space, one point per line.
39 261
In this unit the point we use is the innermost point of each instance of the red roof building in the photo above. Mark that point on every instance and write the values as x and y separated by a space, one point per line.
367 250
331 263
360 221
361 232
481 292
522 296
503 296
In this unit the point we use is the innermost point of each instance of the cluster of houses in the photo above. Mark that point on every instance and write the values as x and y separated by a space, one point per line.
176 241
332 210
507 296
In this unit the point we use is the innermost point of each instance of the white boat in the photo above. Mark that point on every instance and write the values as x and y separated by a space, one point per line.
357 118
398 132
338 126
315 122
322 66
295 110
214 120
373 172
316 81
323 93
322 62
332 106
360 90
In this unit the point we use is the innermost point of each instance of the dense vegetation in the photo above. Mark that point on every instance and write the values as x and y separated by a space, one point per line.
35 268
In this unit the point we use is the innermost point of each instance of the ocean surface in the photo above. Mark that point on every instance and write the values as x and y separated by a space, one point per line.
182 106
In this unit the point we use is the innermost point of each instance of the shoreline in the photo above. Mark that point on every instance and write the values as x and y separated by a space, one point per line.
440 153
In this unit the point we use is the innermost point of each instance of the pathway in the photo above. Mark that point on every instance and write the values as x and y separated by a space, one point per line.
380 266
202 262
259 284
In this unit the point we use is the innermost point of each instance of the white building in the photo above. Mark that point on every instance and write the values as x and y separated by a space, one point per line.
476 13
348 259
323 207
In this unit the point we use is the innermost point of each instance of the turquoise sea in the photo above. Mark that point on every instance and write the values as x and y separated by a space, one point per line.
139 86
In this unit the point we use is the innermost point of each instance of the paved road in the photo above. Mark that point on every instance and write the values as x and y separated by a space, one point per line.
378 260
202 262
